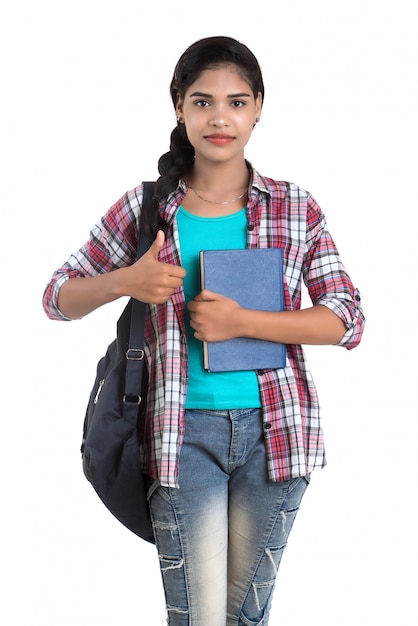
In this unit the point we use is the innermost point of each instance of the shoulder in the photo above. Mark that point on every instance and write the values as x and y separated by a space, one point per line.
120 223
134 197
284 197
129 207
279 188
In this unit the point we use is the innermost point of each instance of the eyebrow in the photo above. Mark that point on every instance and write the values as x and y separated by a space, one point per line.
208 95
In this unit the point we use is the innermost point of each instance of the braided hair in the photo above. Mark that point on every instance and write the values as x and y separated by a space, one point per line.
208 53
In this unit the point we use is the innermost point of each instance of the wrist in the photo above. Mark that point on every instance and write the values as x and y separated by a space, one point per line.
244 323
118 283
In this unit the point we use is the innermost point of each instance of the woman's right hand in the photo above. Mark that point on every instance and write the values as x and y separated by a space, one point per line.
150 280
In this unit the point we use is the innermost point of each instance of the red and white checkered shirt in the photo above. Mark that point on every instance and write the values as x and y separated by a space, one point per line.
279 214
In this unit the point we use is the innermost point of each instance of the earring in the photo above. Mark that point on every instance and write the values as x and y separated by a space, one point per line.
179 120
257 119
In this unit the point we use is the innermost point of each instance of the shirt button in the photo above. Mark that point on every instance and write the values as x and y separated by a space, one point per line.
267 426
358 298
250 227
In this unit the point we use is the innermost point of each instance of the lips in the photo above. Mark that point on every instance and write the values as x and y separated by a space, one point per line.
219 139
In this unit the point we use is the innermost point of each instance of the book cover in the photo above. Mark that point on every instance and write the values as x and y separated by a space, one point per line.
253 277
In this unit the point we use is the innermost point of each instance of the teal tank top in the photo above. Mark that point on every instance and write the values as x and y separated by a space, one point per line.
212 390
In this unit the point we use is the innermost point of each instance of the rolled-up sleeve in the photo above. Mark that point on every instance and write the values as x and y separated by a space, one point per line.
50 296
112 244
327 280
348 308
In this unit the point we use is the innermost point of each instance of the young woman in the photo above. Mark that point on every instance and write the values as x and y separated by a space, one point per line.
229 454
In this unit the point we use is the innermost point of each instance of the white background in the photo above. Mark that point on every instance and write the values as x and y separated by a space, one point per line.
85 114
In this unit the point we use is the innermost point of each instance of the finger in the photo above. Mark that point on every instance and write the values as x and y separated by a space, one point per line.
177 271
206 295
157 245
193 305
173 270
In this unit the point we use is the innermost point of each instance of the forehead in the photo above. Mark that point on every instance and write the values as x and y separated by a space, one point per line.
222 80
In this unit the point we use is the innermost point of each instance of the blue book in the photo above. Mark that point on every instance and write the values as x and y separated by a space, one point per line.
253 277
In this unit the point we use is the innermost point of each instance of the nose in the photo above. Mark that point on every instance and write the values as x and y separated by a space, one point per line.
219 122
218 118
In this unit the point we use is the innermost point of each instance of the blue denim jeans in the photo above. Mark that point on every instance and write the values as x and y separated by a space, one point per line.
221 535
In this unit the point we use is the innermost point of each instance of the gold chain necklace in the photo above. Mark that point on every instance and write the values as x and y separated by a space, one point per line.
212 201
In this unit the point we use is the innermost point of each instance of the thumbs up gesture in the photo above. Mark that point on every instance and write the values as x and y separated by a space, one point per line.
152 281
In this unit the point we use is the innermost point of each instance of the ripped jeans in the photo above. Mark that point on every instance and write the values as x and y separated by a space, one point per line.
221 535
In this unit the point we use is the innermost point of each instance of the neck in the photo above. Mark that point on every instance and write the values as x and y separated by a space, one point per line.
220 180
216 191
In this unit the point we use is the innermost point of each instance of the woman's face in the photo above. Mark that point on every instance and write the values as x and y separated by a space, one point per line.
219 112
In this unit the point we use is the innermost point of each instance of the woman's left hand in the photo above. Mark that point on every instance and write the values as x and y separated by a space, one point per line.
214 317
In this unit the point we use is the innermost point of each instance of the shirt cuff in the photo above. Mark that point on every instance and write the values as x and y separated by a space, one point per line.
53 309
348 308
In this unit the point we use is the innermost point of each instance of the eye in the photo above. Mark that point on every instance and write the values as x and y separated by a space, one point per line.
238 103
201 103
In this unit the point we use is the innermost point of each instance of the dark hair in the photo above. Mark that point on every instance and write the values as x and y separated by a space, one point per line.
208 53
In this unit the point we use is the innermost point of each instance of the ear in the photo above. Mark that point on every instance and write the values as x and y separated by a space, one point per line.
179 106
258 104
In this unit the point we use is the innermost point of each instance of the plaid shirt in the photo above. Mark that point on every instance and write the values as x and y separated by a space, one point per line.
279 214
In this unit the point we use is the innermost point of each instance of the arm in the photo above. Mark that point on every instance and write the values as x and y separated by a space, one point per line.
105 267
315 325
217 318
147 280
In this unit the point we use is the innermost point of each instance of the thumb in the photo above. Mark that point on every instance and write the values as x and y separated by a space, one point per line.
157 244
206 295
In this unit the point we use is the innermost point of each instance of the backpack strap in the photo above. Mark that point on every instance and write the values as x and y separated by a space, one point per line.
147 193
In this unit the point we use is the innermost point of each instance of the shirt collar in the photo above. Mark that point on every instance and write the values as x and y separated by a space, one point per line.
257 184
